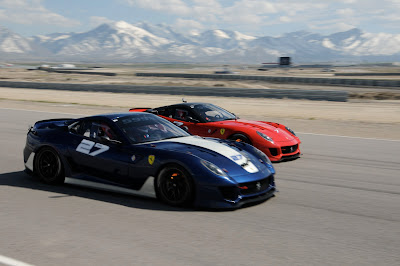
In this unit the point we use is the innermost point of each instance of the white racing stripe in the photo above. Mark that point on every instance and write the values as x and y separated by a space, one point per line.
12 262
222 149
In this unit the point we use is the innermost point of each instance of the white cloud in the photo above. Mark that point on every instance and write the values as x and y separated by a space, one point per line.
285 19
31 11
256 14
95 21
188 25
345 12
170 6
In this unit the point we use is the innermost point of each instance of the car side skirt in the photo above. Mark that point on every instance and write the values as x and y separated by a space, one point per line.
147 190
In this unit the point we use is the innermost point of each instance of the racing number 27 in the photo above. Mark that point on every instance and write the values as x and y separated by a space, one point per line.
86 146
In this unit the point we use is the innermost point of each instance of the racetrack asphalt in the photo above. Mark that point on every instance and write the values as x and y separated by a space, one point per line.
337 205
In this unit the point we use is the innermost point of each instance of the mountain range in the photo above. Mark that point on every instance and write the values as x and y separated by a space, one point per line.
144 42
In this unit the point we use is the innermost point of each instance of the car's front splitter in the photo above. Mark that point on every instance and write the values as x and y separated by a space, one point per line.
211 197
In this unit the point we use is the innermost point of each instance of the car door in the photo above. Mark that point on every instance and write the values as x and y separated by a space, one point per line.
97 151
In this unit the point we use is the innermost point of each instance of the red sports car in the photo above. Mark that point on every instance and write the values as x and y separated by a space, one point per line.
207 120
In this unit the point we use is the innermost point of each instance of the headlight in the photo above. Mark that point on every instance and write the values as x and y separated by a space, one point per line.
262 155
291 131
213 168
265 137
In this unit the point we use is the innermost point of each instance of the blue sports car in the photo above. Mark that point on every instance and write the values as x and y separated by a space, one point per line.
138 151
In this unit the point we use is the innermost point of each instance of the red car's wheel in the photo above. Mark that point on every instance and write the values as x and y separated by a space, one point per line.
240 138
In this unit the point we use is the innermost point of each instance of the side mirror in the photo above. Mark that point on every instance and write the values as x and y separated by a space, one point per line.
152 111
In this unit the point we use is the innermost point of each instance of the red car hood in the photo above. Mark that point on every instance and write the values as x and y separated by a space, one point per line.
277 134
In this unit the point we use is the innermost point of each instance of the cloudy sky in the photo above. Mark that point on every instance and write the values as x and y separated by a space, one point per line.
253 17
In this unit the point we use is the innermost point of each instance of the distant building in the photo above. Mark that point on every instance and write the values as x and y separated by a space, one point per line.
65 66
285 61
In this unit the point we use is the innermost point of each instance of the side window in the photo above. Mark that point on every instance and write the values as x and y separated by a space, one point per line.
163 111
181 114
95 130
103 132
80 128
76 127
86 129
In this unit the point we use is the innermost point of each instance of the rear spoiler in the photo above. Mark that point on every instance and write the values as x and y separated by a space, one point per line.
55 120
52 123
143 109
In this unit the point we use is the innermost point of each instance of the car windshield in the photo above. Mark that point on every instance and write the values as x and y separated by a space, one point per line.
140 128
212 113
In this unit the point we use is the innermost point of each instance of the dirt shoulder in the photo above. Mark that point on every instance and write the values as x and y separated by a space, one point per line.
127 76
358 118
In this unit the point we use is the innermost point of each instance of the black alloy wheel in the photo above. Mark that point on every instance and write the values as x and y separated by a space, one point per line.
48 166
240 138
174 186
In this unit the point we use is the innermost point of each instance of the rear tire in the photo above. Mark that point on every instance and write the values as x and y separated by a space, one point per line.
174 186
48 167
240 138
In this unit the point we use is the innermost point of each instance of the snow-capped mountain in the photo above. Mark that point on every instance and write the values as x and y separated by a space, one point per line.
167 32
11 42
224 39
119 39
144 42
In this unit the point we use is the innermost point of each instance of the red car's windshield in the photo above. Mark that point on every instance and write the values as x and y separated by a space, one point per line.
212 113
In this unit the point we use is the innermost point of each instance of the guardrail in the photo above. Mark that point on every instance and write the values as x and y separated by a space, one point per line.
81 72
367 74
320 95
298 80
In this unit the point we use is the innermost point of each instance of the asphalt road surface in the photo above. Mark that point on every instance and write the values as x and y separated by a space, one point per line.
338 205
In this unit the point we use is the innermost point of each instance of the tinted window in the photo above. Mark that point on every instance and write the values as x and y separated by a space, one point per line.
96 130
212 113
164 111
141 128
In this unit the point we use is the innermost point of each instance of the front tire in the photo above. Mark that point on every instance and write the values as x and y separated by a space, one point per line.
240 138
48 167
174 186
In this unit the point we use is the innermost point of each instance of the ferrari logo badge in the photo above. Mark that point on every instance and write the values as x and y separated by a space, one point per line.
222 131
151 159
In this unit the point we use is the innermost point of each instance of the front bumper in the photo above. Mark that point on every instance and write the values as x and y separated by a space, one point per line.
233 197
282 153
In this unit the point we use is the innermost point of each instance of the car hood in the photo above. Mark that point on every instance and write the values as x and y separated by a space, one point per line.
213 150
277 134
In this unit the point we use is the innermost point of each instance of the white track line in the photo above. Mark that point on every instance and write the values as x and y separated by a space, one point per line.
37 111
340 136
12 262
316 134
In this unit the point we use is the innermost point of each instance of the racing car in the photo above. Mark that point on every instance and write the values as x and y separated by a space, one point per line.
277 141
138 151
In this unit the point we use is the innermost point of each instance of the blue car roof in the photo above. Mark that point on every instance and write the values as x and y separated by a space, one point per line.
112 116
